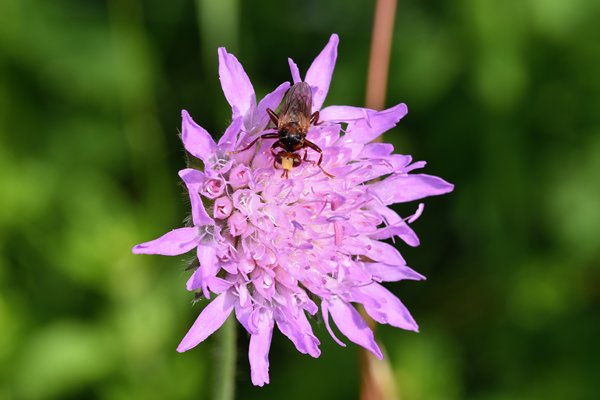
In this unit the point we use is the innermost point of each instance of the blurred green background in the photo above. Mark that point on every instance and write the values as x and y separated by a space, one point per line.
504 101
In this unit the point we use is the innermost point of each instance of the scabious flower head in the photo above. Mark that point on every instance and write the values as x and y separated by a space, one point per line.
273 250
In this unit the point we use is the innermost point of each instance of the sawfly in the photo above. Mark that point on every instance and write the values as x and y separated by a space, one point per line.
292 124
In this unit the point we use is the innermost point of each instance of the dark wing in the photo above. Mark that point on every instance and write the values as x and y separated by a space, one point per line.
297 106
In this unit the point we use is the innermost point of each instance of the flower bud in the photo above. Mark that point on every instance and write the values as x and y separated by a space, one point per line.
222 207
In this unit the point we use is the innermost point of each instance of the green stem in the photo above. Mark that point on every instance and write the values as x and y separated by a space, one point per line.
224 380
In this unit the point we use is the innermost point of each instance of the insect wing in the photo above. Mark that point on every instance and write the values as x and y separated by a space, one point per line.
297 106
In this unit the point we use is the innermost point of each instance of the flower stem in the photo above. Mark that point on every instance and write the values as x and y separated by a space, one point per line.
377 381
379 59
224 378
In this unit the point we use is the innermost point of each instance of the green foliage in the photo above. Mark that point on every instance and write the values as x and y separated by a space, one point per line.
503 100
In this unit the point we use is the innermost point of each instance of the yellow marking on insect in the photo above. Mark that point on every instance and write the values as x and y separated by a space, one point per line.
287 163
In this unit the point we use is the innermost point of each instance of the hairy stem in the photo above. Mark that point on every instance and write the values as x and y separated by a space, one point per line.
224 374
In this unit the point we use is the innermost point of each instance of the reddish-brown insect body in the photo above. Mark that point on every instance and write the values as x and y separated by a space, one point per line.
292 124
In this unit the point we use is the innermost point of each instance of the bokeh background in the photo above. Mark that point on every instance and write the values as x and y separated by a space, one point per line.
504 101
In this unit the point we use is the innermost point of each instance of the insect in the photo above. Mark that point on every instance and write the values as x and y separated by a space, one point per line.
292 124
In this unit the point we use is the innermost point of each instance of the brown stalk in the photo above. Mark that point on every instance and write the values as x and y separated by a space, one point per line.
379 59
376 377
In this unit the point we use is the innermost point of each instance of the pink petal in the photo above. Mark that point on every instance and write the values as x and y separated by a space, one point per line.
222 207
243 309
384 307
400 229
415 165
369 169
404 232
295 72
399 162
343 113
325 312
218 285
229 138
240 176
403 188
396 225
351 324
365 130
173 243
194 180
258 351
236 85
195 281
272 100
294 325
192 176
383 252
377 150
207 255
196 140
392 273
209 320
320 72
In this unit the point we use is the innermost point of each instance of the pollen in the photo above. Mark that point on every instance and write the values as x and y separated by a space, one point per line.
287 163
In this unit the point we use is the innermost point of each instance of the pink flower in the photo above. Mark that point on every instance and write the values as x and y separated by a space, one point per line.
276 244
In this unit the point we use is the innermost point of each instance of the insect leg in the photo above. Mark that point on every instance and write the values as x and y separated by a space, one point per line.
297 159
264 136
274 117
314 118
275 145
318 150
277 158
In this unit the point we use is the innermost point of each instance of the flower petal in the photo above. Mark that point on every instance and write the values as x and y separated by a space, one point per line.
272 100
209 320
236 85
344 113
392 273
222 207
367 129
294 325
319 74
173 243
402 230
243 309
195 281
403 188
207 255
384 307
196 140
229 138
378 151
325 312
383 252
396 226
258 351
194 180
218 285
351 324
413 166
295 72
